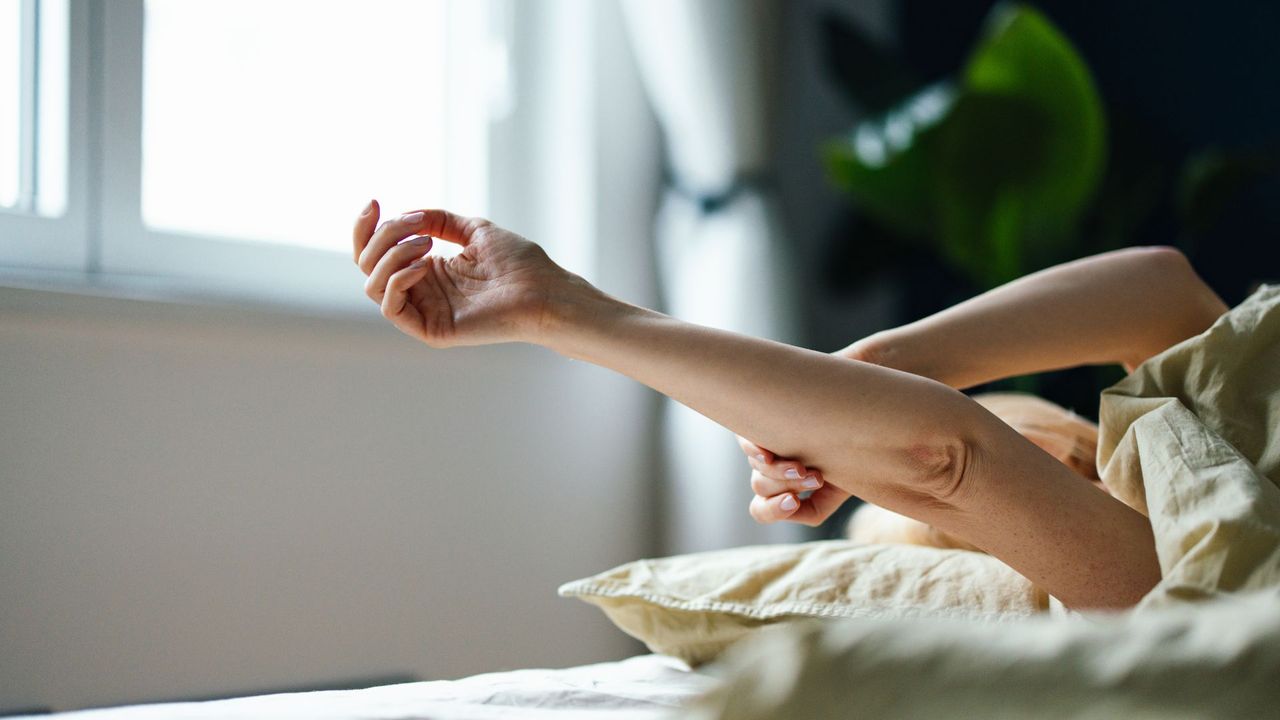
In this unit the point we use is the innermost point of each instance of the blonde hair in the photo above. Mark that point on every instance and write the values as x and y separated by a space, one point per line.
1056 430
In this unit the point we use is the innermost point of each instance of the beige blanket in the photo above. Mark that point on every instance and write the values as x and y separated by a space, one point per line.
1192 440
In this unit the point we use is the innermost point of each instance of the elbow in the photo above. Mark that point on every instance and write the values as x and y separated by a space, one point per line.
939 470
1198 305
1185 303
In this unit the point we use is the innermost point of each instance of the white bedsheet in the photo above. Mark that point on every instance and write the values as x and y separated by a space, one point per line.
648 686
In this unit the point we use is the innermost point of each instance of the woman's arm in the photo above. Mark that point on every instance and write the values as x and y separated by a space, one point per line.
905 442
1120 307
897 440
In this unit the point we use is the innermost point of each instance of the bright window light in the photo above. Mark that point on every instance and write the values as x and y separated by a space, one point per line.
10 101
277 120
51 109
33 106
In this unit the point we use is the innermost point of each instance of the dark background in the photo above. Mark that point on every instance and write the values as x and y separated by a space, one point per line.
1176 78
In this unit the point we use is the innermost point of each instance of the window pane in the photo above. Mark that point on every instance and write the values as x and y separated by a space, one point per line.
277 120
51 109
33 105
10 99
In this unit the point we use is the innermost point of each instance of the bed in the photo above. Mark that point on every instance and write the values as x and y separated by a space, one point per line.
646 686
1191 439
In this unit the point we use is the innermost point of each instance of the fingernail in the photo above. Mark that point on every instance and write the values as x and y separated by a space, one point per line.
760 458
417 264
412 218
368 208
810 483
792 474
789 503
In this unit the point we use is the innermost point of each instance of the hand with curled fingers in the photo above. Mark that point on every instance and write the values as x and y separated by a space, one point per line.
496 290
785 489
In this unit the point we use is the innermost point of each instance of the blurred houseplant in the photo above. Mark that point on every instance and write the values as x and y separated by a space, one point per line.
994 168
1010 165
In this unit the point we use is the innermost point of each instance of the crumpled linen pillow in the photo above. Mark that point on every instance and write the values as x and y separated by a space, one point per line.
1218 660
694 606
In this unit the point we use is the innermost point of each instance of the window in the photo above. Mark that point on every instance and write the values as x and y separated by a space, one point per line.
225 146
278 129
222 148
33 106
10 101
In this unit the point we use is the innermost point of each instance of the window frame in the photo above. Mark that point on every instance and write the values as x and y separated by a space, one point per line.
257 271
63 243
540 161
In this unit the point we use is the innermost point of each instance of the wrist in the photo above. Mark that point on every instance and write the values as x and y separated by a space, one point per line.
574 314
898 349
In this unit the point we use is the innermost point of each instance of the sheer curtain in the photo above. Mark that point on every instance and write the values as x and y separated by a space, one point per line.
721 256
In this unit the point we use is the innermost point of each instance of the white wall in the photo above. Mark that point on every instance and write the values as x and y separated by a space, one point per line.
201 501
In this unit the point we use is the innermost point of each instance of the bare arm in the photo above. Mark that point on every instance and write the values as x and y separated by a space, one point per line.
1120 307
899 440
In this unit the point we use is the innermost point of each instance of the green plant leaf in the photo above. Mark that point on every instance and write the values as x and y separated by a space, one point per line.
886 162
1023 56
998 167
985 155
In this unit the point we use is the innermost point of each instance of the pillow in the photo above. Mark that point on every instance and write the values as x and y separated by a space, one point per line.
694 606
1219 659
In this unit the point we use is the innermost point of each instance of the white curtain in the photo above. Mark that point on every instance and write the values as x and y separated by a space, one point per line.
721 258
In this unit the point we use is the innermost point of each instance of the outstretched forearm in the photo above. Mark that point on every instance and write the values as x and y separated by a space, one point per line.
898 440
828 412
1120 307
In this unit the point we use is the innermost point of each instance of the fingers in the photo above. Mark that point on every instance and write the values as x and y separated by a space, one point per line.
388 235
772 509
439 223
363 230
811 511
395 300
395 260
792 473
819 506
766 486
754 451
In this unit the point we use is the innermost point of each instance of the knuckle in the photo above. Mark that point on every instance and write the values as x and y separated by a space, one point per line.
776 472
759 485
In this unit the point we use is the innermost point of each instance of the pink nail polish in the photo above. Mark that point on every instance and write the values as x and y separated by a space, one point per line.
412 218
789 503
367 209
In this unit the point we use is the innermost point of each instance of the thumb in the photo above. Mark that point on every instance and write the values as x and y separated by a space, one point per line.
454 228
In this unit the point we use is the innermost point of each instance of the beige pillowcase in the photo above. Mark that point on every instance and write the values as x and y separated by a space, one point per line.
694 606
1217 660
